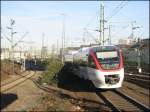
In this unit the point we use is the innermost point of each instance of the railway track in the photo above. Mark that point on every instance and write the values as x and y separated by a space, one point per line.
5 87
119 101
142 83
140 80
115 100
135 73
12 80
134 69
141 76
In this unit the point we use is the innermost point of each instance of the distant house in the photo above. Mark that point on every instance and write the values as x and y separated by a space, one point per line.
127 41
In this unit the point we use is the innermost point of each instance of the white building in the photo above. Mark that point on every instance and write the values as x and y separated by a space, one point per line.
19 54
125 41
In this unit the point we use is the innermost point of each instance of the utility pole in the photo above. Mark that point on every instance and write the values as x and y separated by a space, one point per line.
139 61
103 23
63 37
42 46
53 49
12 22
47 46
133 28
138 49
64 32
109 42
13 43
100 24
43 40
57 47
24 60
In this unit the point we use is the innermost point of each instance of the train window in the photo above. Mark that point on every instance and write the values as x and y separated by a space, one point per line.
109 59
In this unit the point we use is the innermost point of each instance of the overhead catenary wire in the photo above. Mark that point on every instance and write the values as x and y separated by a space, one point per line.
120 30
114 10
117 9
92 19
94 38
119 22
7 37
20 39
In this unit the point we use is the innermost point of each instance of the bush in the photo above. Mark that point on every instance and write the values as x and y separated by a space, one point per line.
53 67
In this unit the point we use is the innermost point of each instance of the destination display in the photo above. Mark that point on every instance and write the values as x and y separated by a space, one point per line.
110 54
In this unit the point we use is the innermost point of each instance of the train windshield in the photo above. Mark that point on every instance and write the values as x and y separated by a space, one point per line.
108 59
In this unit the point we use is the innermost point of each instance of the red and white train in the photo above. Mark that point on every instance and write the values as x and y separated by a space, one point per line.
103 65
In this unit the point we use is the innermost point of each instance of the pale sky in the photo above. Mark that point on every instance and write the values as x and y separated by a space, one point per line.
39 17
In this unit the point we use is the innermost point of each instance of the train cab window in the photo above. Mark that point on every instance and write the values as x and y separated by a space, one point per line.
91 62
108 59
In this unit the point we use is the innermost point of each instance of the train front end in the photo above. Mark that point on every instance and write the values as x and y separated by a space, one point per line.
108 64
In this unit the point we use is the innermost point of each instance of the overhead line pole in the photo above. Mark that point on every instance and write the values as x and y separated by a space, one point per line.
103 23
57 47
12 42
63 37
109 35
42 50
100 24
133 28
12 47
64 32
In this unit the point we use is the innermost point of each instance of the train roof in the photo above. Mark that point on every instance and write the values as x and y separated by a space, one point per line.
106 46
100 48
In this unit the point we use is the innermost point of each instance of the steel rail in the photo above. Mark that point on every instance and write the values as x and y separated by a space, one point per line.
118 106
107 101
133 101
21 76
4 88
133 81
